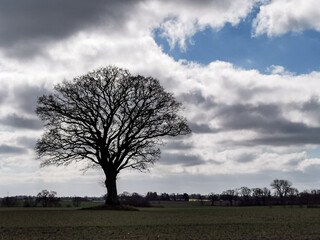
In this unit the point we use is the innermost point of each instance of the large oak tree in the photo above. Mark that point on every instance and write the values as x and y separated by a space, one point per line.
109 118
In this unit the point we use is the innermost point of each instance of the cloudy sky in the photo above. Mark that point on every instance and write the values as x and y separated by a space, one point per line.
246 71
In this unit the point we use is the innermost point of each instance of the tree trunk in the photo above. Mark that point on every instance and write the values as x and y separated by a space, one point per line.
111 185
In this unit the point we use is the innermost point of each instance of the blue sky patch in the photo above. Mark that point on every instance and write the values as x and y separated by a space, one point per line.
313 153
298 53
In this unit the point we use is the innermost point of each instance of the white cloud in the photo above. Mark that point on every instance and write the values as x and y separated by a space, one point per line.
276 69
308 163
282 16
177 32
182 19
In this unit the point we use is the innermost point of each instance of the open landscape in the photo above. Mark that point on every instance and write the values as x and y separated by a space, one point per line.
154 119
174 221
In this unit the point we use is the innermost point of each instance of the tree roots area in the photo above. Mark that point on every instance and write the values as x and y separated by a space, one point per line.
168 222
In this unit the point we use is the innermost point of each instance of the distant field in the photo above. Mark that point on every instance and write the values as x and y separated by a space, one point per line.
170 222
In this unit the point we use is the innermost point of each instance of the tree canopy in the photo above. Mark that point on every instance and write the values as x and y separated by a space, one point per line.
109 118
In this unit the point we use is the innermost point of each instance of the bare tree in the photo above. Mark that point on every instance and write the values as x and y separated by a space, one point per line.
185 197
47 198
257 194
282 188
110 119
213 197
229 195
245 193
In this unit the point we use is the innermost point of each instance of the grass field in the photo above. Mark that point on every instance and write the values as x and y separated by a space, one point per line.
170 222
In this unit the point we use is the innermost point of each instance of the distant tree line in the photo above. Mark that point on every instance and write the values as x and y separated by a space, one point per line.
44 198
281 193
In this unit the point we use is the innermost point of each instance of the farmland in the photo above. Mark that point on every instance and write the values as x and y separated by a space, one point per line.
169 222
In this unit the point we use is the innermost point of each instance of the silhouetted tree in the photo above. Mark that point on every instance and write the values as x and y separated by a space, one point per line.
315 196
257 194
134 199
304 198
245 194
310 198
213 197
43 198
185 197
173 197
292 195
47 199
282 188
110 119
164 197
152 196
266 195
229 195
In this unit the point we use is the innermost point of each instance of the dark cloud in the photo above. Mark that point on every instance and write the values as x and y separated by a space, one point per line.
3 95
196 97
262 117
16 121
249 93
6 149
177 145
201 128
312 105
246 92
179 158
292 134
27 142
27 97
27 25
268 121
294 162
216 162
246 157
311 136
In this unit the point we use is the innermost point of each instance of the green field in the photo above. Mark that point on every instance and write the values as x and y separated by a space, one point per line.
170 222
